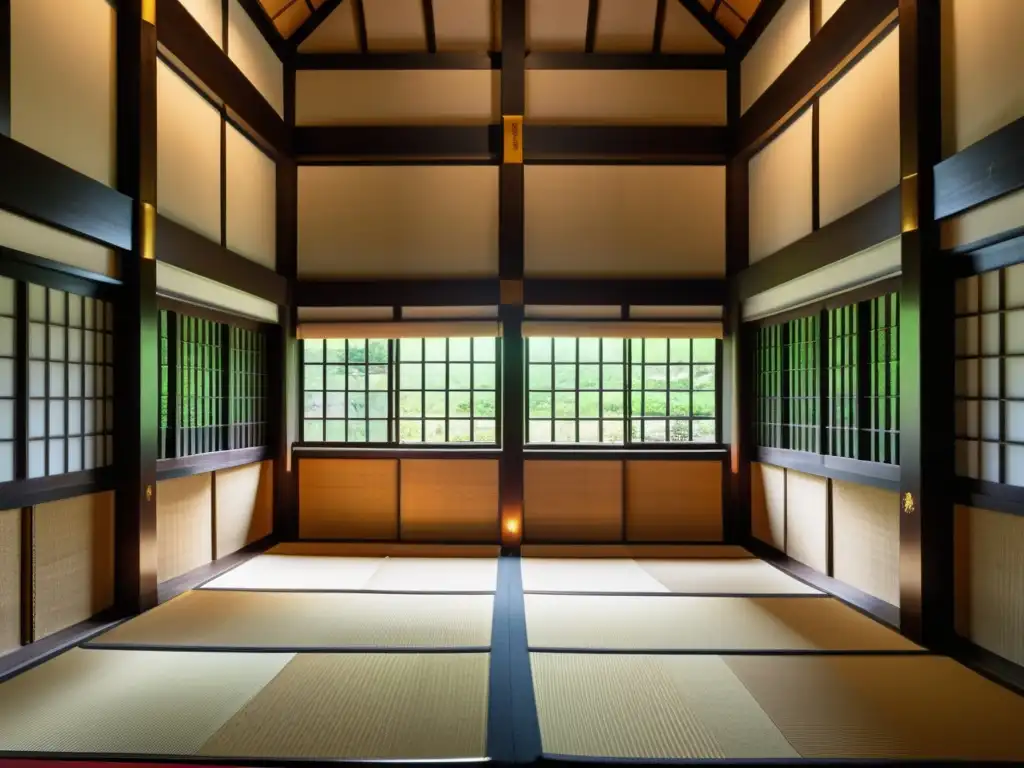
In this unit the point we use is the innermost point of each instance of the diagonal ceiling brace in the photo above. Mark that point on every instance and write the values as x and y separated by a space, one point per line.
710 23
309 25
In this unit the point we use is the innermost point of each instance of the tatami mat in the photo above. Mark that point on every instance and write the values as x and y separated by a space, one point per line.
633 706
435 574
357 706
384 549
703 623
588 575
299 572
310 620
739 576
638 551
129 702
925 707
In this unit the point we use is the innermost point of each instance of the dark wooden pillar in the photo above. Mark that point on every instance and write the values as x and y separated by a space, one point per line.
736 356
926 344
136 423
510 265
283 351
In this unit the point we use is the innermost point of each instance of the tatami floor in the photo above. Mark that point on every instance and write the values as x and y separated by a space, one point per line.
406 652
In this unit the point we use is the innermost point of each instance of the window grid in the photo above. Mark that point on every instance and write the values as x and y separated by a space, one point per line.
71 382
447 390
8 364
843 383
578 390
884 429
248 395
199 386
162 320
769 386
990 376
801 358
346 386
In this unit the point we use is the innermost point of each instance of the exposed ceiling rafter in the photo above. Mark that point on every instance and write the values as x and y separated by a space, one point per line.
710 23
263 23
659 26
428 25
309 26
591 37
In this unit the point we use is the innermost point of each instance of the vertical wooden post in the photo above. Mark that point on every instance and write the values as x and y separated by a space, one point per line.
136 426
283 349
926 343
510 265
737 358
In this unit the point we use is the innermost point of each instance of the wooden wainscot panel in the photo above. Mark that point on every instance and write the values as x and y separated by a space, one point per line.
768 504
450 500
184 525
866 539
572 501
990 576
348 498
10 580
244 506
806 528
674 501
73 553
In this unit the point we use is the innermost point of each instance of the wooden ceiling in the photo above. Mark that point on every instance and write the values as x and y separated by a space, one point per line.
620 25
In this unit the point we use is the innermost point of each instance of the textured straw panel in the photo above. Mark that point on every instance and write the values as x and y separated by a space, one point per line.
768 504
635 551
652 707
218 619
384 706
806 500
925 707
674 500
129 702
184 524
10 580
866 539
992 549
737 576
348 499
421 574
586 575
245 506
74 561
703 623
450 500
572 500
384 549
310 572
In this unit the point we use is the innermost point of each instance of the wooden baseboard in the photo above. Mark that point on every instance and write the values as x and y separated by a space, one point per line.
204 573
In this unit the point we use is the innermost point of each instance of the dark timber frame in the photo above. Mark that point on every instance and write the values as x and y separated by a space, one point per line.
137 428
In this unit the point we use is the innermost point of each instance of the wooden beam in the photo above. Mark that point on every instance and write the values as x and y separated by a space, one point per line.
308 27
659 26
710 23
605 61
452 292
867 226
756 26
136 430
591 144
653 292
428 25
360 15
181 247
988 169
538 60
590 38
5 67
263 23
849 35
40 188
927 336
186 40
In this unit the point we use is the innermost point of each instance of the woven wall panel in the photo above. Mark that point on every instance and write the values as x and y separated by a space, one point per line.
245 506
348 498
74 561
674 500
806 530
450 500
768 504
184 525
991 545
572 501
10 580
866 539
